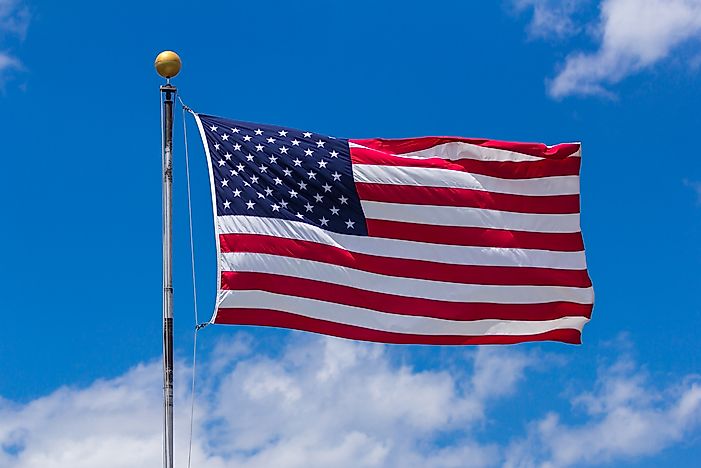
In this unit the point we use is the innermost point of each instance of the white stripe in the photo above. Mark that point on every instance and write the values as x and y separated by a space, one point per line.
253 262
366 318
471 217
434 177
456 150
454 254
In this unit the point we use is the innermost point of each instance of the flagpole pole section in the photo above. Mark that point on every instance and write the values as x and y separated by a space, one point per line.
167 65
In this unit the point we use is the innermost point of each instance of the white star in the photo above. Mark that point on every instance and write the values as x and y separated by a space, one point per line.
222 162
326 187
308 152
311 174
334 154
282 133
225 137
240 167
350 224
308 207
237 192
259 147
263 169
224 182
227 156
283 204
233 172
277 181
246 184
217 146
324 221
268 191
259 131
295 142
336 176
307 134
235 130
260 195
284 149
300 215
213 128
318 198
249 158
297 162
343 200
270 140
254 179
237 147
247 138
322 164
250 205
320 144
227 204
293 194
275 207
288 172
334 210
273 159
302 185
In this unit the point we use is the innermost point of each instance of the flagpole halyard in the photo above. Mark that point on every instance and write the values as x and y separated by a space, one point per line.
167 65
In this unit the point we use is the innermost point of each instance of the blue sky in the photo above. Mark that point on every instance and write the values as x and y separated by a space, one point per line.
80 271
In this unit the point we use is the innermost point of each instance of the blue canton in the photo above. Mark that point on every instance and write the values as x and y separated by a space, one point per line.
276 172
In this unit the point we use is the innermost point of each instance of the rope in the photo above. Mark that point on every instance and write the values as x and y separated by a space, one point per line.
194 287
189 213
192 397
198 326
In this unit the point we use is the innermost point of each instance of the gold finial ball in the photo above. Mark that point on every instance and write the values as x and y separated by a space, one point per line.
168 64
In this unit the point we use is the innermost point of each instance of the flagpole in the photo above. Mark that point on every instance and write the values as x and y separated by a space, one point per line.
167 65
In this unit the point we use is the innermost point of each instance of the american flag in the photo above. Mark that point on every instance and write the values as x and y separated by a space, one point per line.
433 240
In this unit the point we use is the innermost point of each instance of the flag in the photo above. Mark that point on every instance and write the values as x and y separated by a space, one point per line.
433 240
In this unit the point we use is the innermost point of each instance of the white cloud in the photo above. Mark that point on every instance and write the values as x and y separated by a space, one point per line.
14 21
326 402
111 423
14 18
627 417
696 187
633 35
336 403
551 18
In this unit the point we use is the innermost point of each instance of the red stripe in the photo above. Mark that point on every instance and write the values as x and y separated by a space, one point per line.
501 169
399 305
399 267
444 196
274 318
472 236
408 145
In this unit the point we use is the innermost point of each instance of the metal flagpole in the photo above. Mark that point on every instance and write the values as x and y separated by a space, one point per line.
168 65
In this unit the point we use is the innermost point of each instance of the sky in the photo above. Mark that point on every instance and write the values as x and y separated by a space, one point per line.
80 269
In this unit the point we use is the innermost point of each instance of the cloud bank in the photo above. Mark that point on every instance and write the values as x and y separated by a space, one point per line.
324 402
631 36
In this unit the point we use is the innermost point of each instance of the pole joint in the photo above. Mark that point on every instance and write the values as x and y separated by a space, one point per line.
168 89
